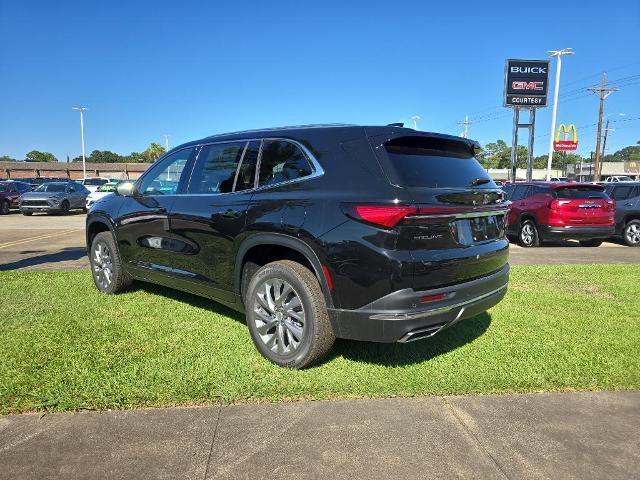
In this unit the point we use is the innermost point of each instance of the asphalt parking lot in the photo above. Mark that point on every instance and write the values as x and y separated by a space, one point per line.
50 242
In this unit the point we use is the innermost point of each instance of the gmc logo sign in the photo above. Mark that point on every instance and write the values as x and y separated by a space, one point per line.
518 85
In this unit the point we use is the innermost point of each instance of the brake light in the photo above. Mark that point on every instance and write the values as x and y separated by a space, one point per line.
555 203
386 216
611 205
432 298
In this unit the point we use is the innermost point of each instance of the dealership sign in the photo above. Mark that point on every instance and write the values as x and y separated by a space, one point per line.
526 83
565 144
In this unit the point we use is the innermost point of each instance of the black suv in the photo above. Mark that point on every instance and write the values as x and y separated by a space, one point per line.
627 197
381 234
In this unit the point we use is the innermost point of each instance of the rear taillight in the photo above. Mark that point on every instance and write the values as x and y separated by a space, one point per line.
611 205
555 203
391 215
383 215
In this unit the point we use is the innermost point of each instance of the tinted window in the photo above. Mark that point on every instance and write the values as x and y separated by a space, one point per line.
216 167
538 190
434 162
622 192
519 192
164 176
52 187
508 190
580 192
282 161
95 181
247 171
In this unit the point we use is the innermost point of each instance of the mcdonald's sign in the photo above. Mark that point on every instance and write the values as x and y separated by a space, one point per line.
565 144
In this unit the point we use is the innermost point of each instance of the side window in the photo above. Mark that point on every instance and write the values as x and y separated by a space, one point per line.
164 177
247 171
621 192
215 169
282 161
519 192
508 190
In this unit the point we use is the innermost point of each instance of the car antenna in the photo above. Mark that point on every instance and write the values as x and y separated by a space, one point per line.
399 124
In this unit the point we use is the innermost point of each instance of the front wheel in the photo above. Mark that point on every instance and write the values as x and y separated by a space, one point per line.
25 213
106 265
64 208
590 243
631 234
287 315
5 207
528 236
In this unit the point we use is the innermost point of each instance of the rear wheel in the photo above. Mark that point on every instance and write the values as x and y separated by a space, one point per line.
287 315
106 265
528 236
631 233
64 208
590 243
5 207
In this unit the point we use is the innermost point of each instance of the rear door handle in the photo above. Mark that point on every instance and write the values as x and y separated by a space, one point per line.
630 204
159 210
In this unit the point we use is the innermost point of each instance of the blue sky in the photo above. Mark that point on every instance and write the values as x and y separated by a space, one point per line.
190 69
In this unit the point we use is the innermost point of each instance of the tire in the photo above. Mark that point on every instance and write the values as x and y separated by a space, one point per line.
25 213
106 265
64 207
631 233
590 243
528 235
5 207
295 337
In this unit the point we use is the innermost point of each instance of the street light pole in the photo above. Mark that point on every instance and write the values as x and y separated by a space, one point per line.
558 54
84 166
415 119
166 142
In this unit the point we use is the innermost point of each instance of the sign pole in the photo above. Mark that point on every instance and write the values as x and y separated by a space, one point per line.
514 144
532 124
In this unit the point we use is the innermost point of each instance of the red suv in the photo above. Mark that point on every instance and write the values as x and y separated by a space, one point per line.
559 211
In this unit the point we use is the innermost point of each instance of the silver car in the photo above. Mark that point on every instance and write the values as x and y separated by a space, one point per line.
54 197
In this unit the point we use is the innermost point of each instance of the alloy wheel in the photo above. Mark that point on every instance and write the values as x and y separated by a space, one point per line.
102 265
632 233
527 234
279 316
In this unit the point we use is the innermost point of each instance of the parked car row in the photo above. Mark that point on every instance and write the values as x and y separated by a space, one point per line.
589 213
55 196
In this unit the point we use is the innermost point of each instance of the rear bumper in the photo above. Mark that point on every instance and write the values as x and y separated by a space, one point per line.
581 233
400 317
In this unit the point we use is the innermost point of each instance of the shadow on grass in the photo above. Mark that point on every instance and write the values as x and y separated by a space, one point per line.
388 354
191 299
399 354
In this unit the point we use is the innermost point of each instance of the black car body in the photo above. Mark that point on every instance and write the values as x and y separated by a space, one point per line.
627 197
403 230
54 197
10 192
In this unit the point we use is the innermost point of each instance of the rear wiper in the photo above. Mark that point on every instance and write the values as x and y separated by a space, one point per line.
480 181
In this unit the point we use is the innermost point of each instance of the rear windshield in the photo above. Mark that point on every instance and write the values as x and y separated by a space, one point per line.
580 192
95 181
436 163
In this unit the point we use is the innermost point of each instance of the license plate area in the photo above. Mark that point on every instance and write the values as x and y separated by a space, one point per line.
473 230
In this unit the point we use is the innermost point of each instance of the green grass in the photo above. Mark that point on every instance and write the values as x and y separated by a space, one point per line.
65 346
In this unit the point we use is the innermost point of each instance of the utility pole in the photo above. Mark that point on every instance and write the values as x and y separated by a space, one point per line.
166 142
415 119
84 166
466 124
604 93
604 144
558 54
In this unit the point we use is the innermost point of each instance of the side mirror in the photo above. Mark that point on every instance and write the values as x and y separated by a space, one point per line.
126 189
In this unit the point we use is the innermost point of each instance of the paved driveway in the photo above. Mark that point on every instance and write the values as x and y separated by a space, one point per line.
561 435
44 242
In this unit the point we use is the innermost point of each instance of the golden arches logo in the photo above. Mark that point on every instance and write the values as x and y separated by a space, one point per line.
565 143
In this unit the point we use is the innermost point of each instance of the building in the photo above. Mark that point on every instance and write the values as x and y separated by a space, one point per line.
584 171
72 170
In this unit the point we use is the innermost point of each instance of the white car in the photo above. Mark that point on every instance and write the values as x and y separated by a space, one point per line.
93 183
618 179
101 192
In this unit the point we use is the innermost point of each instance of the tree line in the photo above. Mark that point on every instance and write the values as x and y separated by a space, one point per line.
495 155
498 155
151 154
